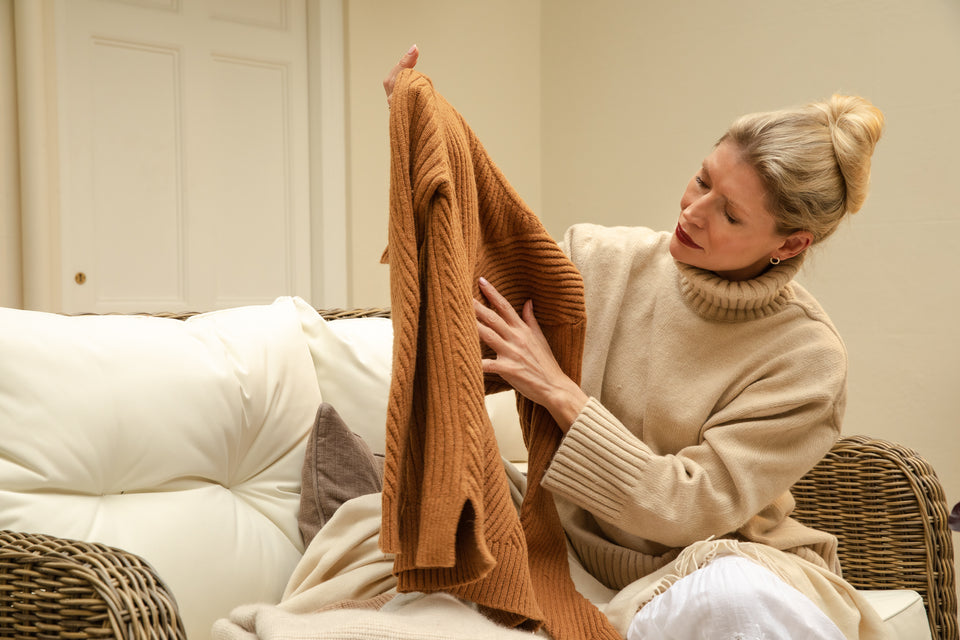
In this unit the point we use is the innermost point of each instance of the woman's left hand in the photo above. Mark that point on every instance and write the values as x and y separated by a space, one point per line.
524 358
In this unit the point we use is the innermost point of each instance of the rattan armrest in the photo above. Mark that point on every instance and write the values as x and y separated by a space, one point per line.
887 507
56 588
326 314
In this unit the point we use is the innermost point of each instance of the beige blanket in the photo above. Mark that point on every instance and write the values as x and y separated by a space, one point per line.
343 566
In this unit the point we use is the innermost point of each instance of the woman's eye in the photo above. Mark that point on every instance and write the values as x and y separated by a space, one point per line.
730 218
700 182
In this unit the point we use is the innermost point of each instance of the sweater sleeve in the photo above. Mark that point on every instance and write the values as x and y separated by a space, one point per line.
749 454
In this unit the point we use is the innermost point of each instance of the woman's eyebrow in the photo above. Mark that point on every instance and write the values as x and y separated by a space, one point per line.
733 205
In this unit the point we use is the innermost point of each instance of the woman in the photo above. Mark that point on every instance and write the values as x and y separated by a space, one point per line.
711 380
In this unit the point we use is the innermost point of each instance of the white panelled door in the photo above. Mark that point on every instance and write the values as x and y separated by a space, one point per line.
184 153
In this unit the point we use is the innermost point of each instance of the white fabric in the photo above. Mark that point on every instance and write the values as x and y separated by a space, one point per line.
731 598
902 612
181 442
502 409
353 358
415 616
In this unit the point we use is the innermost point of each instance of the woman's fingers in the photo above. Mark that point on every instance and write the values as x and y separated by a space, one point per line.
407 61
500 305
530 319
511 337
487 322
523 356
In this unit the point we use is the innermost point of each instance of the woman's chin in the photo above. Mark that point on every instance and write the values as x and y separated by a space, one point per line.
681 253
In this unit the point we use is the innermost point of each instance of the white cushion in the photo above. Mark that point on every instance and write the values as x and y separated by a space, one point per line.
502 408
353 359
902 612
181 442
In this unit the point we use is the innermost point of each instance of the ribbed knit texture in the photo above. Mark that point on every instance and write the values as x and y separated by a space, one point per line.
447 512
714 298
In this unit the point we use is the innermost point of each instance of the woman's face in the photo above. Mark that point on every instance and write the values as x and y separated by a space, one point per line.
724 223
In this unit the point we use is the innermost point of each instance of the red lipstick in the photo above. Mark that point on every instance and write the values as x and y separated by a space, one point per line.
685 239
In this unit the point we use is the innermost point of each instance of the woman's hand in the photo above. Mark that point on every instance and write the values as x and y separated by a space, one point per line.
407 61
524 358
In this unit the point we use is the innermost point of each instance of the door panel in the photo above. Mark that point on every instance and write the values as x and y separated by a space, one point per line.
184 158
135 226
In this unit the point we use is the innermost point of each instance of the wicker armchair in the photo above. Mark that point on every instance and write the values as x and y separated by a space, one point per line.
887 507
52 588
883 502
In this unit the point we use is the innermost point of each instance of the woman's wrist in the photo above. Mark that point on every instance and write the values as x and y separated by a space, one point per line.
566 403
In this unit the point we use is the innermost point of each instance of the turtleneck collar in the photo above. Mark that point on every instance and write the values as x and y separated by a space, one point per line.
714 298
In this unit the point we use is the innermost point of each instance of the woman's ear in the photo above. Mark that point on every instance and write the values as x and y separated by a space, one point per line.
793 245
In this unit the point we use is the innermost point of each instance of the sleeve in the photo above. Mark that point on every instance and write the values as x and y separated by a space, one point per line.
750 452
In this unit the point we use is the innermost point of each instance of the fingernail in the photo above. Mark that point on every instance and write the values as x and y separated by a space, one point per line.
483 281
411 49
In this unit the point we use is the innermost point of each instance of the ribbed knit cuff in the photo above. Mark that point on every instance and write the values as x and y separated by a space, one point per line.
598 463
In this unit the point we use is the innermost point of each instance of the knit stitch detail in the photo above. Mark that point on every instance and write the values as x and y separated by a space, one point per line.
447 512
715 298
597 456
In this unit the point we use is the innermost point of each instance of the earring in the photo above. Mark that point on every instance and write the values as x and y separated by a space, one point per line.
774 260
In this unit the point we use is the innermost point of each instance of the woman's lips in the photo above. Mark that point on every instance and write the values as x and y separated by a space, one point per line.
685 239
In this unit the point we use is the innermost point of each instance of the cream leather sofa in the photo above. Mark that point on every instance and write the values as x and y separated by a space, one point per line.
181 442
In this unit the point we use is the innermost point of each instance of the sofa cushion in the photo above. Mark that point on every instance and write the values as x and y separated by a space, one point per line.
502 409
902 612
353 358
338 466
181 442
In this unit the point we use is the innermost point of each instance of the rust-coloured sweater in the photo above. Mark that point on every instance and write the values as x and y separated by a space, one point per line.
447 512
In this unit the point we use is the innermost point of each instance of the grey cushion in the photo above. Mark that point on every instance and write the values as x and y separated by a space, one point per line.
338 465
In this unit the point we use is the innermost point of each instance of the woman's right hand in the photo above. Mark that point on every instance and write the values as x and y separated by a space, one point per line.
524 358
407 61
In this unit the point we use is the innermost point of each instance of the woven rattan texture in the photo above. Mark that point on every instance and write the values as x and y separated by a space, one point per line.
51 588
327 314
887 507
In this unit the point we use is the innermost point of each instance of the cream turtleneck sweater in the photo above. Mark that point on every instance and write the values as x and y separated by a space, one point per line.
709 400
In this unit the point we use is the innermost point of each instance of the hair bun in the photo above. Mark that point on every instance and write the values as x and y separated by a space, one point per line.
813 160
855 128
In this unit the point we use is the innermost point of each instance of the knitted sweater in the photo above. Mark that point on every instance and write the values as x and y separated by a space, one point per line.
709 400
447 512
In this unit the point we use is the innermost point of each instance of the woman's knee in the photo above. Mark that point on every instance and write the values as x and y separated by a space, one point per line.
732 597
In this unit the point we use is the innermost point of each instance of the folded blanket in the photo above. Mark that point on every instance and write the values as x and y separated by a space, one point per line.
343 565
447 514
408 617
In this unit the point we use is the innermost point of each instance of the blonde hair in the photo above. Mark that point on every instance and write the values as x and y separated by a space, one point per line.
813 160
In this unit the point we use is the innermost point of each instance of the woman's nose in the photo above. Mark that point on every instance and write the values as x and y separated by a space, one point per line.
694 211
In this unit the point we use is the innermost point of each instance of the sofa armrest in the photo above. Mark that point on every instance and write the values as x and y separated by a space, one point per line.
56 588
887 507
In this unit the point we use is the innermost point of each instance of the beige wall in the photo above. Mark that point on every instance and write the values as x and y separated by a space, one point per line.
10 276
483 56
643 91
601 111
